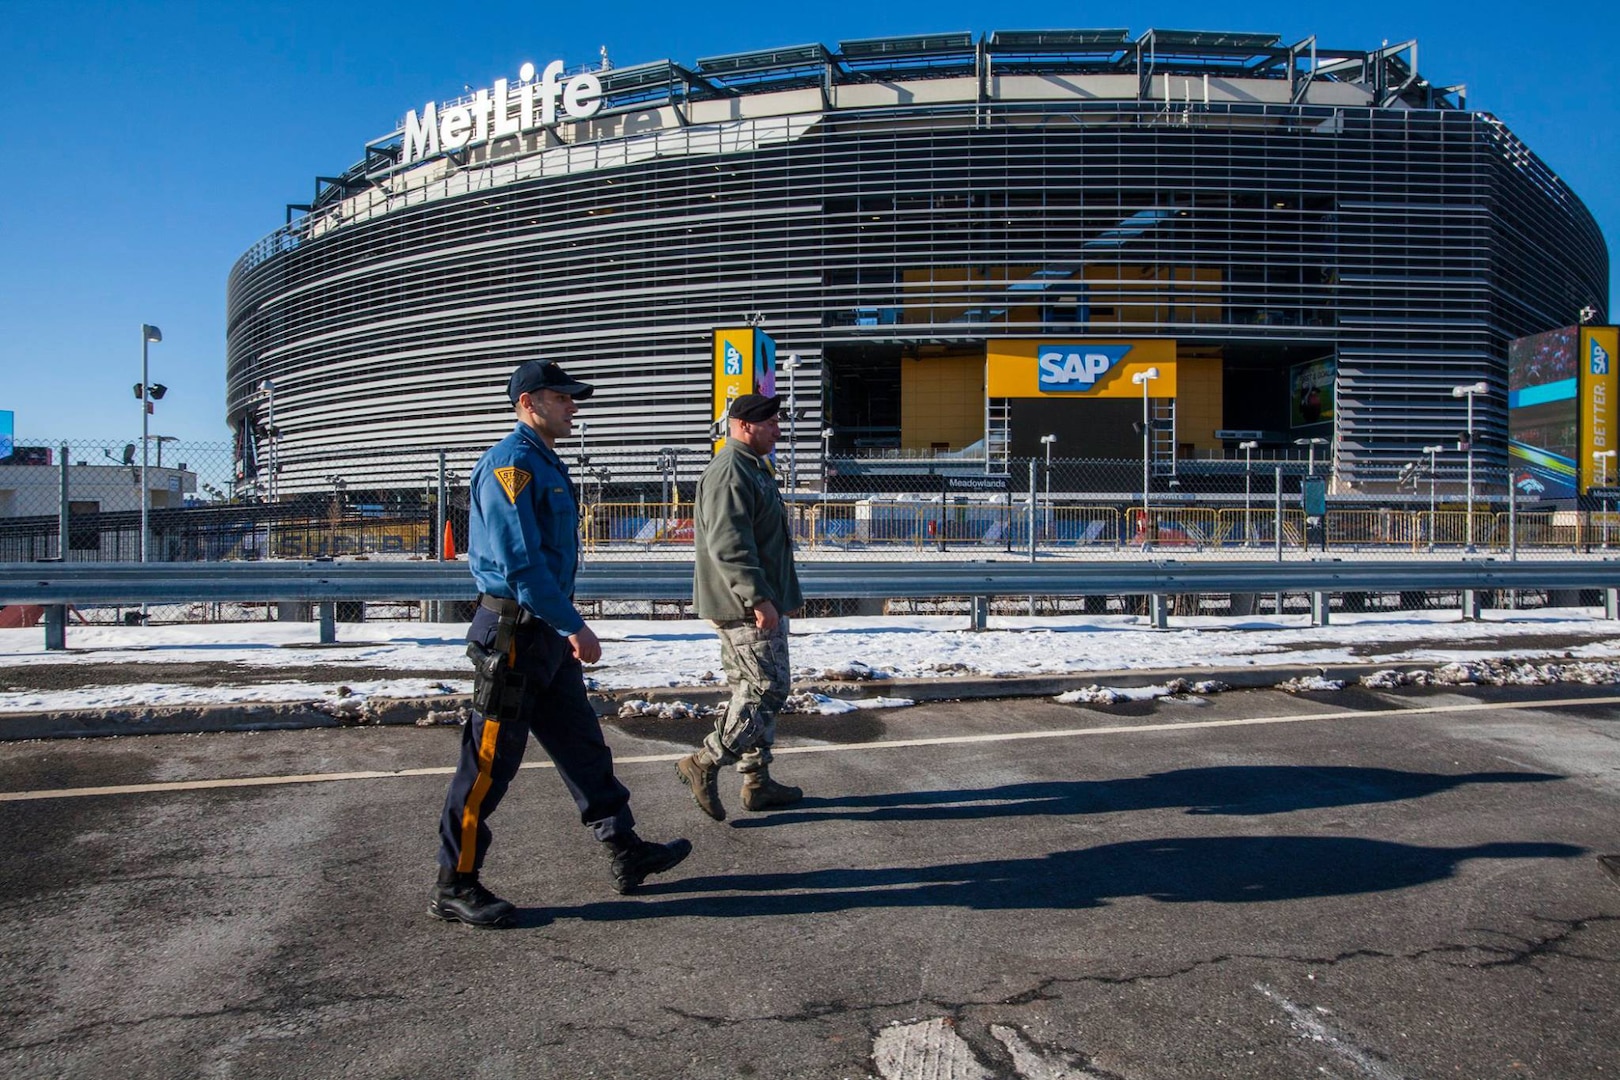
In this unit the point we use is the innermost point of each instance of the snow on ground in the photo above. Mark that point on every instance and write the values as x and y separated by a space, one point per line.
644 654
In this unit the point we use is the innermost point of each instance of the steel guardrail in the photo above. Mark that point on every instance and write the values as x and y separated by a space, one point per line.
83 584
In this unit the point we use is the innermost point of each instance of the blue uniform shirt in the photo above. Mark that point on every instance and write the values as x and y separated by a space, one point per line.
523 535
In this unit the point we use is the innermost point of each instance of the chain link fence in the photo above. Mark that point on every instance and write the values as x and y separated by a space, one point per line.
637 504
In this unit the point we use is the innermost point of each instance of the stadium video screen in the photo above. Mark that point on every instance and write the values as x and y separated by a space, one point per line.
1543 413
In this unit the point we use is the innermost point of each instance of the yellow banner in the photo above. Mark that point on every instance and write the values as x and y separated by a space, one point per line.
1599 432
1078 367
733 369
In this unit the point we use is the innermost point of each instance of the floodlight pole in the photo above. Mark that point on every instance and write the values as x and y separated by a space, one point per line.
1433 468
1143 378
791 363
148 334
1469 392
1248 484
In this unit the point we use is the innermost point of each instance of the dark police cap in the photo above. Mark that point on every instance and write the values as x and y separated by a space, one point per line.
532 376
754 408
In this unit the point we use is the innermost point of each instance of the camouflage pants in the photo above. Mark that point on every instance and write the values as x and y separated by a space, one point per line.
758 672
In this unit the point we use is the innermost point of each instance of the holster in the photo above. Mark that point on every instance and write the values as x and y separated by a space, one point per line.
497 688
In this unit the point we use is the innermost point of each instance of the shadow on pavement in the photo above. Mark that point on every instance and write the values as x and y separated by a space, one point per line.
1236 790
1219 870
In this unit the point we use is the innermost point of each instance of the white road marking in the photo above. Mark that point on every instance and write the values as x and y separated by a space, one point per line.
1310 1026
827 748
926 1050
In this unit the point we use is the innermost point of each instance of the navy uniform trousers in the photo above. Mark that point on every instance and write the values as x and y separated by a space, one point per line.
559 714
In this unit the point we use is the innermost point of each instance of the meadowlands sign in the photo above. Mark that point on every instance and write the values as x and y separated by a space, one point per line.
501 112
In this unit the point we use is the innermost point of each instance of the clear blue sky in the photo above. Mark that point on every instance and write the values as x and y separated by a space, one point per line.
147 145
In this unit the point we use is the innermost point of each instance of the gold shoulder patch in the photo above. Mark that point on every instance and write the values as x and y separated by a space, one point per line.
513 481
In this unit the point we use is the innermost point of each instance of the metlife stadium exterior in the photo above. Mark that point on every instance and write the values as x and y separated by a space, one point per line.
1314 242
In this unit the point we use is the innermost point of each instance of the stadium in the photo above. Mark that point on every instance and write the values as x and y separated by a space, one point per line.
965 242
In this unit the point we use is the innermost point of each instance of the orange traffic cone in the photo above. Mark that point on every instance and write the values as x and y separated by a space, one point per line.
449 548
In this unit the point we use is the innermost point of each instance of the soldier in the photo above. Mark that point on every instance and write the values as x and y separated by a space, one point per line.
529 643
744 582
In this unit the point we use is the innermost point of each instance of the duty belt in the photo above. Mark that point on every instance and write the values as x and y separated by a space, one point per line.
507 609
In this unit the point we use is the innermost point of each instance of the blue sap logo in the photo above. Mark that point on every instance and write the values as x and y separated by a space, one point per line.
1075 369
733 360
1600 359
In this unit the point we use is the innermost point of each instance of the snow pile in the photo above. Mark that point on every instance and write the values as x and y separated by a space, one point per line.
668 710
1493 672
1310 682
1108 695
345 706
853 671
821 704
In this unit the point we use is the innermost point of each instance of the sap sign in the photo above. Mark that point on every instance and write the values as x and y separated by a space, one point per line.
1076 369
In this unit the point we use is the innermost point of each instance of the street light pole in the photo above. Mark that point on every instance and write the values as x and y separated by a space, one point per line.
1432 451
1470 392
268 389
149 334
1142 378
790 365
1248 449
1047 441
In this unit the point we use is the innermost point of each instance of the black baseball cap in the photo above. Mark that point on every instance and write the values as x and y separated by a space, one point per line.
535 375
754 408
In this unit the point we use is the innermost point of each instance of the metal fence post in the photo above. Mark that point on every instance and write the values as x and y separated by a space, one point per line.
978 612
1319 608
55 627
1159 611
1279 536
63 511
1611 604
328 610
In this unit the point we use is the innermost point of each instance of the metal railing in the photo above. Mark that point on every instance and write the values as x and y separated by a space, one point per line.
59 586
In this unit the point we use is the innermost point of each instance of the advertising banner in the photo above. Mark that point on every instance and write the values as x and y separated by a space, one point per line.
1544 414
1310 392
744 363
1072 367
8 434
1598 384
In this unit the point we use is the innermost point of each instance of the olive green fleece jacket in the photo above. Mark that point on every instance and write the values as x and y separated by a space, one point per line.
744 546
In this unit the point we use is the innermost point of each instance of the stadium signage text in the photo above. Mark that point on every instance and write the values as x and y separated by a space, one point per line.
1076 368
501 112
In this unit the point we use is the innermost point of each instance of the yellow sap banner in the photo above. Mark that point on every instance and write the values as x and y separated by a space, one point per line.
1078 367
733 368
1599 432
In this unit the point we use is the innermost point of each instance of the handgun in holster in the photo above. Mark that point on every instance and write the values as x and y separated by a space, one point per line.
497 688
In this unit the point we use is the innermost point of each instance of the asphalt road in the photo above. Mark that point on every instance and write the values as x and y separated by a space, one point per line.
1364 884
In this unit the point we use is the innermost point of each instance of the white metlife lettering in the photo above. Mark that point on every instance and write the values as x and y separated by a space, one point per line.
438 130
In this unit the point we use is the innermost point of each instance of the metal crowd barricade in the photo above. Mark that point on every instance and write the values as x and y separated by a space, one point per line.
642 526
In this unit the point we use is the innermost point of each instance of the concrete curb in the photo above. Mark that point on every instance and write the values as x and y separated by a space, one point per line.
451 708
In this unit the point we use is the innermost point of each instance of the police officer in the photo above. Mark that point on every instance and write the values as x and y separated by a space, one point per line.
528 643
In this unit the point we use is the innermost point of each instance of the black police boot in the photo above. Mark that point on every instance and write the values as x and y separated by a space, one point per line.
635 858
460 898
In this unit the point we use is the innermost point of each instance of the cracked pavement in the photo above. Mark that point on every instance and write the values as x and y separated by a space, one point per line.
1389 884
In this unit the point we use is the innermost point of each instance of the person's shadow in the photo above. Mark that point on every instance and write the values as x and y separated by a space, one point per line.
1236 790
1220 869
1173 870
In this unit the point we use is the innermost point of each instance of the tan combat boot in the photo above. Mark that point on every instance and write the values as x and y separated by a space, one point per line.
702 778
760 792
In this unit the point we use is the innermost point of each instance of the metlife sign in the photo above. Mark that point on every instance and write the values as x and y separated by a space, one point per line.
1077 369
501 112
